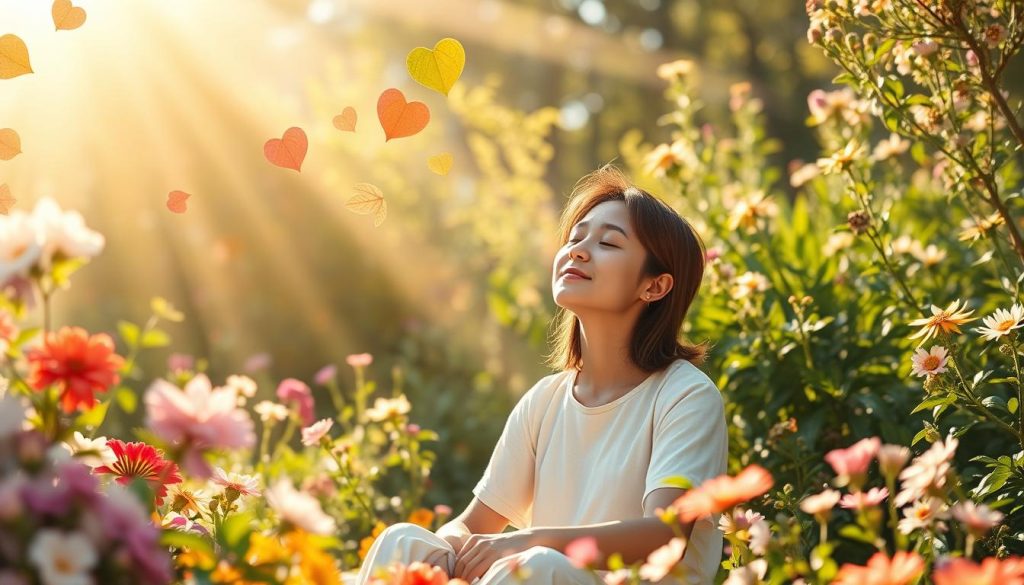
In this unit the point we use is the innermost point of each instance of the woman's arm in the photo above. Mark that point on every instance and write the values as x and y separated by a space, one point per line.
633 539
477 518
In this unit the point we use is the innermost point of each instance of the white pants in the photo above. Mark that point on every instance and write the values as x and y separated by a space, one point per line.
405 543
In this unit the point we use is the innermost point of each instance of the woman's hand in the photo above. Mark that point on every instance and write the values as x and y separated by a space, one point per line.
483 550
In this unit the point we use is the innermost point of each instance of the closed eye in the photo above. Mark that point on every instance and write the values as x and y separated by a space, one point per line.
608 244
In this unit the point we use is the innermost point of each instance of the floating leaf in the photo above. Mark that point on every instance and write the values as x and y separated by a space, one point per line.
10 144
6 200
165 310
441 163
346 120
14 59
177 201
438 68
398 117
288 151
368 199
66 16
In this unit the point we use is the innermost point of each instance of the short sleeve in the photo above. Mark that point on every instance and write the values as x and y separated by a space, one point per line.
507 484
690 439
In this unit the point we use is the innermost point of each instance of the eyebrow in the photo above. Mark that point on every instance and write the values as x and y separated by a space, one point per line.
607 226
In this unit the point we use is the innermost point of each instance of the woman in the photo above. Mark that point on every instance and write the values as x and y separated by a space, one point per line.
590 451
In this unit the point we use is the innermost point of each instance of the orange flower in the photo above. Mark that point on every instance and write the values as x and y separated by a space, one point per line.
991 571
78 363
422 517
942 320
722 493
366 543
903 568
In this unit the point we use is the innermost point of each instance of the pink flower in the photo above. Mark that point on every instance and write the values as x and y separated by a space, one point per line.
442 510
583 551
312 434
297 392
198 418
412 429
257 362
359 360
977 518
851 464
177 362
245 485
861 500
892 458
325 374
927 473
663 560
820 505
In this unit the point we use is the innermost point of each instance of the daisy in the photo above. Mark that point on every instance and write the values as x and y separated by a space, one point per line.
139 460
299 508
66 558
1002 322
246 485
78 363
312 434
975 230
842 159
748 283
186 501
945 320
927 473
861 500
931 362
820 505
930 256
977 518
384 408
92 452
663 560
922 514
271 411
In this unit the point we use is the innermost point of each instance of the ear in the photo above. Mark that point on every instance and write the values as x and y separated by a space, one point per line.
658 287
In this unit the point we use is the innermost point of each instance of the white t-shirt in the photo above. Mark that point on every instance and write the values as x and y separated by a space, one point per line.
560 463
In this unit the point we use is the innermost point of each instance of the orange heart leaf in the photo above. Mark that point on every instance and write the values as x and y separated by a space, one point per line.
66 16
288 151
10 144
398 117
346 120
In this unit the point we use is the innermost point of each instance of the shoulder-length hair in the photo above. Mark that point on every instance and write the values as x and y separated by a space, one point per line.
672 246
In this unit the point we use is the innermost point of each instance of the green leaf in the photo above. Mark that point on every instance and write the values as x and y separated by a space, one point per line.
126 399
935 401
234 533
165 310
189 540
92 418
155 338
854 532
129 332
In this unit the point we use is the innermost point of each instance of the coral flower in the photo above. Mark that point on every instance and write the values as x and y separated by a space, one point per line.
296 392
723 492
946 320
931 362
81 365
851 464
139 460
1009 571
359 360
901 569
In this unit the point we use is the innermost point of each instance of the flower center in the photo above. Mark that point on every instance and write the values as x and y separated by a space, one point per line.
1006 325
930 363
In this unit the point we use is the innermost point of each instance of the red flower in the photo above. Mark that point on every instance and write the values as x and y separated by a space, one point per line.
78 363
139 460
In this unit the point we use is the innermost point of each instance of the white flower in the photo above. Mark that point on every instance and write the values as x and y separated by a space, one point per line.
1002 322
838 241
750 574
821 504
63 558
927 363
929 256
271 411
923 514
244 385
977 518
663 560
312 434
760 536
247 485
927 472
905 245
748 283
890 147
64 233
92 452
299 508
384 408
21 244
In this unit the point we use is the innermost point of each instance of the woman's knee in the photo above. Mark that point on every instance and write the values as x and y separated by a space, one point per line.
543 559
402 530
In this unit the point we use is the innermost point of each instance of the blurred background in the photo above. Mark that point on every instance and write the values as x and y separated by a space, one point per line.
276 278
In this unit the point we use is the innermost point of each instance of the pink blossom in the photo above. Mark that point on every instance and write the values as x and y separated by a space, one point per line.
325 375
892 458
297 392
257 362
312 434
820 505
199 418
977 518
177 362
359 360
851 464
663 560
412 429
583 551
861 500
442 510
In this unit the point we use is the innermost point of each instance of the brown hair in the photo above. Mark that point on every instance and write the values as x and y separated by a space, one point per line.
672 246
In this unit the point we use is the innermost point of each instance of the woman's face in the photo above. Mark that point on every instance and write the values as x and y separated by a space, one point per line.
600 266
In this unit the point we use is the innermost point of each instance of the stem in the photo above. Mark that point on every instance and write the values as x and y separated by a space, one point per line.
1020 388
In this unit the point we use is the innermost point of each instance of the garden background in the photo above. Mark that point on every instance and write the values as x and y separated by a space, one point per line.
836 211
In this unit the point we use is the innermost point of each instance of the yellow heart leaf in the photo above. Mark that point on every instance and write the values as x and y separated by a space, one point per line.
13 57
439 68
441 163
10 144
6 200
368 199
66 16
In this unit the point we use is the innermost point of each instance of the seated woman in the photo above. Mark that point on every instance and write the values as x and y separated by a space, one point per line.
590 451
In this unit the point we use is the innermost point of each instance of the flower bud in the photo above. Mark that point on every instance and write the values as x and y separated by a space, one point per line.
859 221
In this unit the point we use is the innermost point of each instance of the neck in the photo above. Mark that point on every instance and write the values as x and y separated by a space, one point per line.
607 366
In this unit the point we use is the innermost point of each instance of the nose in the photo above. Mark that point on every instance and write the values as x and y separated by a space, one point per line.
577 251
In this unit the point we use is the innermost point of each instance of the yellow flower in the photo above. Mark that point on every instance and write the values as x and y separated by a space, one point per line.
680 68
748 210
319 568
946 320
366 543
974 231
265 550
842 160
422 517
225 573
